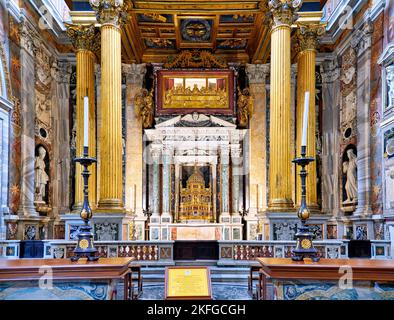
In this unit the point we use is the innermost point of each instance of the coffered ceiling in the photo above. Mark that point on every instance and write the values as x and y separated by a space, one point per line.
236 31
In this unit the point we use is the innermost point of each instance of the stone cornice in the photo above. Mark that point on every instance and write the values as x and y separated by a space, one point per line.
387 57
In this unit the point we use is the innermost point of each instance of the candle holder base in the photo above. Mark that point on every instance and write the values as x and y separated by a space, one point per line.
85 247
304 248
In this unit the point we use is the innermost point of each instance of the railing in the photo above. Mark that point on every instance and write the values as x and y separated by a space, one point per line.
239 251
146 251
230 252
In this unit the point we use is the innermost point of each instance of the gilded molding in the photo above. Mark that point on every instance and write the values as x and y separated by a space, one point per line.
284 12
110 12
195 59
83 37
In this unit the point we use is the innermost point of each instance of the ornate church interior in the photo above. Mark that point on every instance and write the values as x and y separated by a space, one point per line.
212 133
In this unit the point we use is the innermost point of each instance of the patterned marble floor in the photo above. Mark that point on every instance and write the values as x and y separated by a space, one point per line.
222 291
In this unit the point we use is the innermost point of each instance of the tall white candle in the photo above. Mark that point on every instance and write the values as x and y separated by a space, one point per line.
86 122
305 122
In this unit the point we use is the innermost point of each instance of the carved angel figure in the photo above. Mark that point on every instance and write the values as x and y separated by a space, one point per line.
245 106
144 107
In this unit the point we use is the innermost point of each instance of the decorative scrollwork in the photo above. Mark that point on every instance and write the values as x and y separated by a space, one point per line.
144 107
195 59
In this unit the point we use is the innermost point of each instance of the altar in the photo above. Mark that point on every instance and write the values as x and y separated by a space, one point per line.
185 232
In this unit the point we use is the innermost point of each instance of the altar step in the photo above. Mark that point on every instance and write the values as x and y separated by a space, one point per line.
155 275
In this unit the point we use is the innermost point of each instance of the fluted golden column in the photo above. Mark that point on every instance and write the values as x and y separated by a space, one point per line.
280 189
84 40
108 13
306 59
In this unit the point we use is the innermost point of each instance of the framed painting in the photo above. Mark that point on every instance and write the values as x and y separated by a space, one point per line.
208 92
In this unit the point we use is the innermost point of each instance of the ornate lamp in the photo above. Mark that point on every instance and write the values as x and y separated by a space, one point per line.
304 247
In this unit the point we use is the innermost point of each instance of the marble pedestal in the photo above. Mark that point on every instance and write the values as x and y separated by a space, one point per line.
106 226
283 225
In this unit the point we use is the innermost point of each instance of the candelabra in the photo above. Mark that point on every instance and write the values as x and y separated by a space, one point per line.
85 247
304 247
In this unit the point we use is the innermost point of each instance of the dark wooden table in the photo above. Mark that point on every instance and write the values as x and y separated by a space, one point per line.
325 269
65 270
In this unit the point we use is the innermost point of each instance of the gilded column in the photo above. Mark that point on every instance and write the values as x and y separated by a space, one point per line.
83 38
280 189
306 82
108 13
257 74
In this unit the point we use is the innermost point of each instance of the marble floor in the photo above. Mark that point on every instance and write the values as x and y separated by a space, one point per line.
222 291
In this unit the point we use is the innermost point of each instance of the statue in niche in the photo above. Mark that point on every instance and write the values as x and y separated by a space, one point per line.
390 84
144 107
350 170
245 105
41 176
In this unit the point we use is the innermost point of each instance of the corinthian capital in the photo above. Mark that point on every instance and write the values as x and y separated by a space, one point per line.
284 12
110 12
308 35
83 37
134 73
257 73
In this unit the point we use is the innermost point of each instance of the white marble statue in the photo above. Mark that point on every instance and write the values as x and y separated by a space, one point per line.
41 177
350 169
390 86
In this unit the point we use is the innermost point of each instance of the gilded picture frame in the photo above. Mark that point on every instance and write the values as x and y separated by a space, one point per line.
203 91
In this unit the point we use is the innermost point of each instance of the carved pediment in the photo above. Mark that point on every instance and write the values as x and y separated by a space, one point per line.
196 120
195 59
